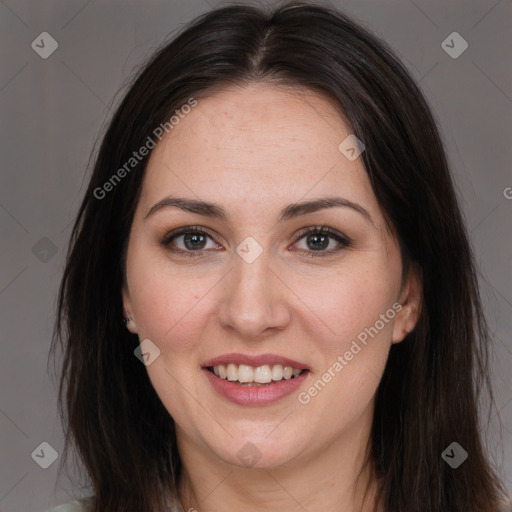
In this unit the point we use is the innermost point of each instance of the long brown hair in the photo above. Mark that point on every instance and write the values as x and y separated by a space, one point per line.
428 394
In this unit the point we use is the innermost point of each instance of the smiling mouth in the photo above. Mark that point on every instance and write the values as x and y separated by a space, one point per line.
245 375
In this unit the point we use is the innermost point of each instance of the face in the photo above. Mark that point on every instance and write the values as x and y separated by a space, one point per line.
256 288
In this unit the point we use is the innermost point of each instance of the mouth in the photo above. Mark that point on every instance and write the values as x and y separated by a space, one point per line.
254 380
245 375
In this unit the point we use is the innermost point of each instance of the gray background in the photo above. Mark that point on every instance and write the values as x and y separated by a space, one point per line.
53 109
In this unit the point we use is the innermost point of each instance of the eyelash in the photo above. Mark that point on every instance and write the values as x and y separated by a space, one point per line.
344 241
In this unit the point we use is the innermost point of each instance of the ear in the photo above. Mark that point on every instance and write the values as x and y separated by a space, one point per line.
411 301
129 317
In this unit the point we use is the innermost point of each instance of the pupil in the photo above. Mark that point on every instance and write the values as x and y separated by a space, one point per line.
322 245
194 237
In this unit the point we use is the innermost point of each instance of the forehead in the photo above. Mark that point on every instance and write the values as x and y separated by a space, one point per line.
259 141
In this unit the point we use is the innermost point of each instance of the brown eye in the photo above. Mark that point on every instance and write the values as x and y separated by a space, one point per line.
190 241
318 239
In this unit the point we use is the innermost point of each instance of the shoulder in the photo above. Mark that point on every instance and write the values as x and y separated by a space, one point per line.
74 506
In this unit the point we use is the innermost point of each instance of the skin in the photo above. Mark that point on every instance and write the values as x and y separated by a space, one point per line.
255 150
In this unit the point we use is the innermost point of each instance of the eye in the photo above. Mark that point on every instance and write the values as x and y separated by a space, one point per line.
191 241
319 238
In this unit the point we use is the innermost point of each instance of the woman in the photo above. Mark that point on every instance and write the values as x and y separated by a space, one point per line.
270 300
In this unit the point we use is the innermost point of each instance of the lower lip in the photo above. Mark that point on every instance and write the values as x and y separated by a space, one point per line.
255 395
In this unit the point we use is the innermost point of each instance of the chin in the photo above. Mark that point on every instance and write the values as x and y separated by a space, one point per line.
260 451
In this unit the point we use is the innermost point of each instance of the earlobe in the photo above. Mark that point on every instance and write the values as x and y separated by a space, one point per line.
131 325
408 316
127 311
404 323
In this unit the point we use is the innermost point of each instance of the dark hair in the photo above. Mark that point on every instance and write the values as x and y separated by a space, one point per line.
429 391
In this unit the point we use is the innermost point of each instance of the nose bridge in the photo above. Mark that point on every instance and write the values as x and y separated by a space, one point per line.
253 300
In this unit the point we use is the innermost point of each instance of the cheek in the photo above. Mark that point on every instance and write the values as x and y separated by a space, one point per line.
344 305
169 304
356 314
170 308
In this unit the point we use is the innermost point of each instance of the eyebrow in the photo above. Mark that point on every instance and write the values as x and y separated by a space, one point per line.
289 212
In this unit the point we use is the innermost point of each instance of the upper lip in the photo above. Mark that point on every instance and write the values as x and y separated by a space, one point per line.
254 360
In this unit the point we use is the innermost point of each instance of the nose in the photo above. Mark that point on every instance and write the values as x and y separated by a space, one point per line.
254 303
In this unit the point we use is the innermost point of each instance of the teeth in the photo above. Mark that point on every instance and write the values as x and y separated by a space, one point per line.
277 372
261 374
231 372
245 373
